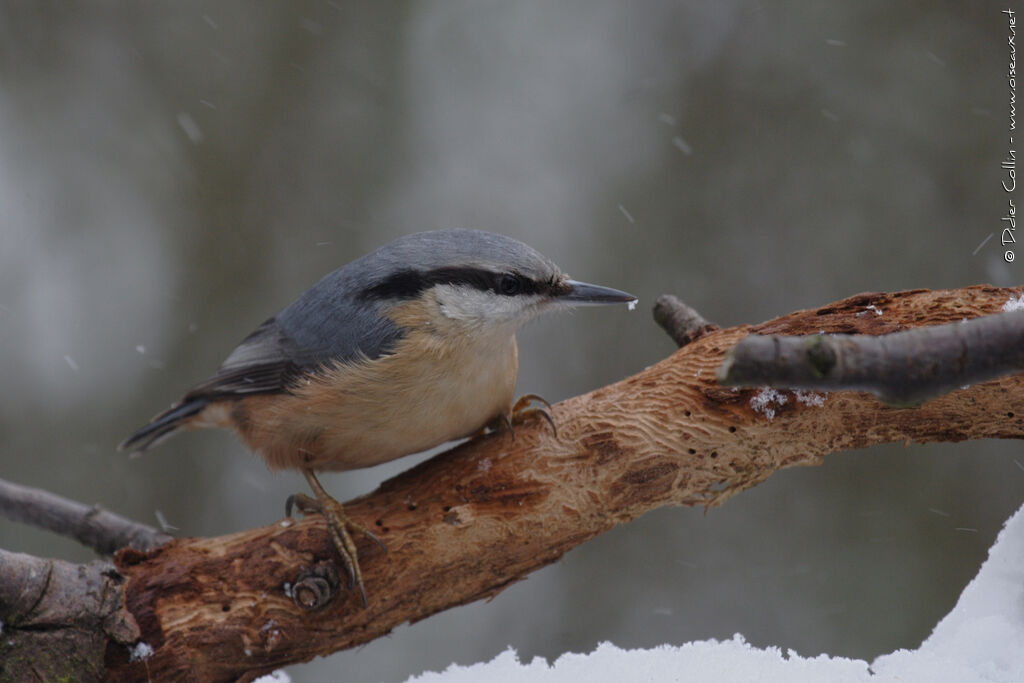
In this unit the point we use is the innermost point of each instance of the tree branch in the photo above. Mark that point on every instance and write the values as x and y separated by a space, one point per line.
92 526
471 521
901 368
57 618
683 323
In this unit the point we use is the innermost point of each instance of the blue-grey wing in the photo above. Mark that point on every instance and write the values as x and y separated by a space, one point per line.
318 329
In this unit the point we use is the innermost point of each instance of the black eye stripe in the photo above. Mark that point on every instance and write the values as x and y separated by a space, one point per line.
407 284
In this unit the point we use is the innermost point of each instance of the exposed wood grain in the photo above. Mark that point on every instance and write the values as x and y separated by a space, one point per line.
471 521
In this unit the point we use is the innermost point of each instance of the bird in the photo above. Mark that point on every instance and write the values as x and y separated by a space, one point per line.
408 347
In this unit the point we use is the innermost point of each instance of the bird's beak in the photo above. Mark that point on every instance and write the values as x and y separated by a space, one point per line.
583 294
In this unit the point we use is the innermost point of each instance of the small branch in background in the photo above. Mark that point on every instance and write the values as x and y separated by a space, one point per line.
901 368
92 526
683 324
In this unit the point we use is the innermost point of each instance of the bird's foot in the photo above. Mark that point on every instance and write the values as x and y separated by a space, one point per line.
525 408
338 525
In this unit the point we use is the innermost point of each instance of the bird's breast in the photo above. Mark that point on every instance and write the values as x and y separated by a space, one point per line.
431 389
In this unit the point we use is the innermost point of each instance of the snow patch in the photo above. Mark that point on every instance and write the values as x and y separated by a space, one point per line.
141 651
979 641
766 400
1014 304
810 398
710 660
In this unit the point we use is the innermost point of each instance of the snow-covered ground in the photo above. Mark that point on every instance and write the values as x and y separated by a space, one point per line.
982 639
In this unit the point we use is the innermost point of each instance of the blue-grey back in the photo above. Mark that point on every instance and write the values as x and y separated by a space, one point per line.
339 320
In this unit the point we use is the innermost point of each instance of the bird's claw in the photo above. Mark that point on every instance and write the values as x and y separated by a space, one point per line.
338 525
305 505
524 409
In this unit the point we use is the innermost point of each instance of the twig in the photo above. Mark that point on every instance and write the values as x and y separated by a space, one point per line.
683 324
92 526
902 368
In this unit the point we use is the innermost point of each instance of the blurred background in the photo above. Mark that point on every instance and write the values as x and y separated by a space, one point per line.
171 174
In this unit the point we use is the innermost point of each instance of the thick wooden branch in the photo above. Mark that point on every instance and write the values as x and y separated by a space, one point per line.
57 618
467 523
471 521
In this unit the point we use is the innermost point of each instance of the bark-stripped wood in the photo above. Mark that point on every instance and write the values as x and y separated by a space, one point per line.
471 521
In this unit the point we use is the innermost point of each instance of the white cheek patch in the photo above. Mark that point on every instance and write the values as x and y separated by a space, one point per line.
474 305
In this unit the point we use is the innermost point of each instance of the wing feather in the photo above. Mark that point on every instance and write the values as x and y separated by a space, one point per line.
315 331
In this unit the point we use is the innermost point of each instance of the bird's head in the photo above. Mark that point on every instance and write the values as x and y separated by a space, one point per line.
476 279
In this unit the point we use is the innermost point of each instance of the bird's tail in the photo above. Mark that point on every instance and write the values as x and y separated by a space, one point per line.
162 426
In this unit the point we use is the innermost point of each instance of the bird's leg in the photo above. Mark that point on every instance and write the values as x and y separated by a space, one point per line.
338 525
524 409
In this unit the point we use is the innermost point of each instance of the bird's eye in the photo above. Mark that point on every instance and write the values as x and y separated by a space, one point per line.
509 285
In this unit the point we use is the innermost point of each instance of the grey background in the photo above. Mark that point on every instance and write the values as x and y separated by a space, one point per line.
173 173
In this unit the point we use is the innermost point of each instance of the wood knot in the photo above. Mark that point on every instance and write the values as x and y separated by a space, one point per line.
316 586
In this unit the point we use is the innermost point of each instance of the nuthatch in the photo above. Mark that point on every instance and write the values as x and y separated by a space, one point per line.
399 351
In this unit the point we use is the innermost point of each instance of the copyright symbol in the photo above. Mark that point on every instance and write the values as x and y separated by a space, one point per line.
1008 256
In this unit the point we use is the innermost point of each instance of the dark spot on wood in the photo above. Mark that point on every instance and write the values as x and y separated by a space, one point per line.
225 608
412 507
128 556
646 475
604 447
1009 414
652 478
717 394
714 454
691 451
732 430
508 493
113 575
379 522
